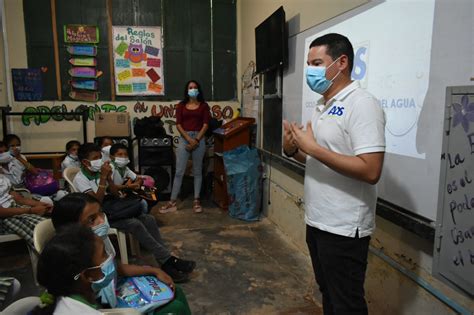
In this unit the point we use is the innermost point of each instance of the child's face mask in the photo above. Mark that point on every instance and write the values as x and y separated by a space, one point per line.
96 165
122 161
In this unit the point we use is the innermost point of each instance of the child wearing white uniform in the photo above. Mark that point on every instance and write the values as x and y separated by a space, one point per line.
71 159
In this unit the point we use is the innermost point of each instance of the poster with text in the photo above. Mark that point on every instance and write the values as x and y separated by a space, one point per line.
138 60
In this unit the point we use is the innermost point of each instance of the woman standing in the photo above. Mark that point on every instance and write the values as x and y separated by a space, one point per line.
192 119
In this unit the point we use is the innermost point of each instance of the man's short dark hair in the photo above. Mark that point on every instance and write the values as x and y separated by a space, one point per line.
336 45
86 149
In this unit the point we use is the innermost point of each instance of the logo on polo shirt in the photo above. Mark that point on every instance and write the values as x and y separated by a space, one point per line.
336 110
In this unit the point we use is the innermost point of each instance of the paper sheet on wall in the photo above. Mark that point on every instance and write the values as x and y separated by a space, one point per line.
138 60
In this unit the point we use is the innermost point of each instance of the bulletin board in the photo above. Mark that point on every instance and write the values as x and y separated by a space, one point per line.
138 60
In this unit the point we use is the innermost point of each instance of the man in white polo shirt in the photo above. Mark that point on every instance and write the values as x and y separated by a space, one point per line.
343 148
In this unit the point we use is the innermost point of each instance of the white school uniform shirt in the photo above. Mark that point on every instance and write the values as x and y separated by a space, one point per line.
85 183
351 123
69 162
15 171
70 306
119 176
6 200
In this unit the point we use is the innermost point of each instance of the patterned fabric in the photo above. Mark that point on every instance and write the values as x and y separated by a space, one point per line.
22 225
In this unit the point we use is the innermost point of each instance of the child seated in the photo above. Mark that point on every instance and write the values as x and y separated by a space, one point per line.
17 166
122 176
19 215
85 210
105 144
71 159
95 179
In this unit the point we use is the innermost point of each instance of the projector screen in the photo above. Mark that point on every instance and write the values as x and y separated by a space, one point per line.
392 45
406 54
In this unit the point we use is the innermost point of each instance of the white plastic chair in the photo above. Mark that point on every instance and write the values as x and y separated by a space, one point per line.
22 306
69 173
42 233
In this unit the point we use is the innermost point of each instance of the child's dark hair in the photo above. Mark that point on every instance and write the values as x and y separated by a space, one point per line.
3 144
71 144
10 137
67 254
86 149
118 146
68 209
102 139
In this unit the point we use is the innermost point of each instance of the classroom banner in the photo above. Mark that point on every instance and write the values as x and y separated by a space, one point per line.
138 59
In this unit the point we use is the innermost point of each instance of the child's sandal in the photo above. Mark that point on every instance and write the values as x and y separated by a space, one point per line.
197 206
169 207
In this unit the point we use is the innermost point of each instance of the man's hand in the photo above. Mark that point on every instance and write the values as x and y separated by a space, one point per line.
289 145
304 139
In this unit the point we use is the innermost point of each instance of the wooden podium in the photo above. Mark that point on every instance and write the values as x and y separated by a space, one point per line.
230 136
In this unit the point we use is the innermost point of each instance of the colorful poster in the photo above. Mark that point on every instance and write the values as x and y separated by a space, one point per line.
138 60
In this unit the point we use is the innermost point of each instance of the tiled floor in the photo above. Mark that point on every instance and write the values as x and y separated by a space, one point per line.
243 268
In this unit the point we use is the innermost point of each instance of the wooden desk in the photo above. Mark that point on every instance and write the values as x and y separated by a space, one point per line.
230 136
55 158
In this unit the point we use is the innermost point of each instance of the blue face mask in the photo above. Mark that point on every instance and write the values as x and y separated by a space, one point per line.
105 287
316 78
193 93
102 230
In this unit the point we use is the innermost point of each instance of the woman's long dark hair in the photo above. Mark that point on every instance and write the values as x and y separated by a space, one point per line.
200 96
67 254
68 209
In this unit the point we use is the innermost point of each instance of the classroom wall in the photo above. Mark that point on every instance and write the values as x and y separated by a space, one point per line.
3 83
50 133
388 290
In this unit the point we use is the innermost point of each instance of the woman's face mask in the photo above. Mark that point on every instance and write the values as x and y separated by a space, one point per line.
193 93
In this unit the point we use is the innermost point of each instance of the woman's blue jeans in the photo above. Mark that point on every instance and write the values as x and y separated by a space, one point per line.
182 156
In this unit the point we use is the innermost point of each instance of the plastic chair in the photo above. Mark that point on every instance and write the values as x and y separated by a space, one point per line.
22 306
69 173
42 233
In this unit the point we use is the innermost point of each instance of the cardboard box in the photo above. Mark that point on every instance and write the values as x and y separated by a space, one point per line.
112 124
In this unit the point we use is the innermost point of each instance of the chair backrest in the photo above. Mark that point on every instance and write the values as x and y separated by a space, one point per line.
43 232
68 174
22 306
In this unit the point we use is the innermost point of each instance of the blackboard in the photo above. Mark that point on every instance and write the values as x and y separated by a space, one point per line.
27 84
454 249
